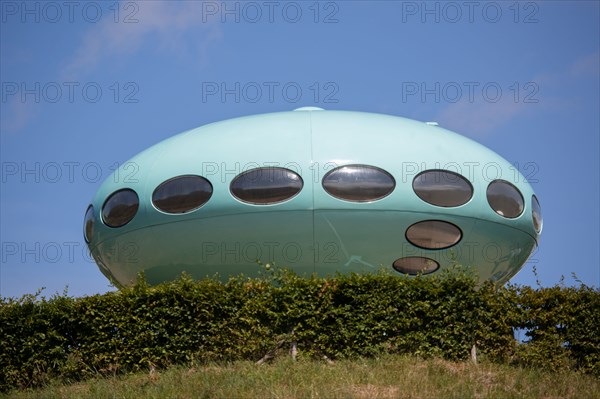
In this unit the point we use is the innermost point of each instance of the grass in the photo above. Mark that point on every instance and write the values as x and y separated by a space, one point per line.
386 377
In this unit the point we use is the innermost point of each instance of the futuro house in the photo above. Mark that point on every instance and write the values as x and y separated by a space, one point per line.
316 191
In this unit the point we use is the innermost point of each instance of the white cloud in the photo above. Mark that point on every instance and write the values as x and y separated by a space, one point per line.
15 115
478 118
165 25
586 65
483 117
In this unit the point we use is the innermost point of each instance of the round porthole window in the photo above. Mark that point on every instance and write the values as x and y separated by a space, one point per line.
505 199
536 211
265 186
88 224
358 183
182 194
433 234
415 264
442 188
120 207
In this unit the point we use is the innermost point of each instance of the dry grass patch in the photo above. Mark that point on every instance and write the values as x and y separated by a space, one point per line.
383 378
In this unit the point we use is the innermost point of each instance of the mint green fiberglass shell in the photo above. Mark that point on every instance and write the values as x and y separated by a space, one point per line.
312 231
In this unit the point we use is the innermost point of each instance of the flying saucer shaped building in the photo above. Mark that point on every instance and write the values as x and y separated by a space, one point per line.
316 191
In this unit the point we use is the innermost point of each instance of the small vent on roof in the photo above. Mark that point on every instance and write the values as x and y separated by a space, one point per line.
309 109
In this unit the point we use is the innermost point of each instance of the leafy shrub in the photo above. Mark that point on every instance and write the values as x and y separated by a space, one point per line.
345 316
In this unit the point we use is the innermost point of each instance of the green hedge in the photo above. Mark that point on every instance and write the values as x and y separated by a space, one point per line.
346 316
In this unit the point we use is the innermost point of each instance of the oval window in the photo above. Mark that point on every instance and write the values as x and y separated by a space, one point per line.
182 194
442 188
120 207
505 199
88 224
358 183
269 185
433 234
415 264
536 211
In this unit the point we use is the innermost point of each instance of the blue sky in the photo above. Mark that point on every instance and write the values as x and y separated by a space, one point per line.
87 85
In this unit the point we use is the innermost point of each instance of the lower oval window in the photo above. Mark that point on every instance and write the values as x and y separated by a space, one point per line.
358 183
182 194
120 207
505 199
264 186
88 224
415 264
433 234
536 211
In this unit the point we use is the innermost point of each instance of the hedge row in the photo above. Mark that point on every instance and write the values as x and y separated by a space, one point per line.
346 316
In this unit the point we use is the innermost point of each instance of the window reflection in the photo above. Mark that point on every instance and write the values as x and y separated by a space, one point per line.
182 194
415 265
359 183
433 234
442 188
269 185
120 208
536 210
505 199
88 224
